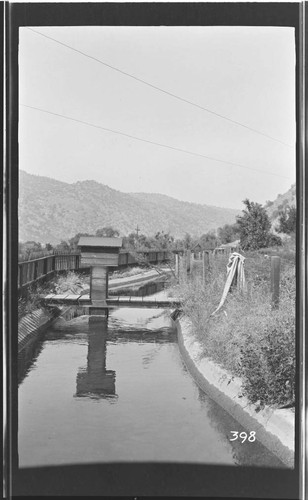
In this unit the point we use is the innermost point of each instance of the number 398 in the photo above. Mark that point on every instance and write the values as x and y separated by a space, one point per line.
243 436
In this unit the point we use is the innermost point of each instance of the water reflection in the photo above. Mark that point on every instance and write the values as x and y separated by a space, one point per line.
95 381
28 355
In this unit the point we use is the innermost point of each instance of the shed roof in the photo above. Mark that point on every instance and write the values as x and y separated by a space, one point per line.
94 241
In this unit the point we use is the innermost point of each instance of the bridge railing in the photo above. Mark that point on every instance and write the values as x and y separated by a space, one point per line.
33 270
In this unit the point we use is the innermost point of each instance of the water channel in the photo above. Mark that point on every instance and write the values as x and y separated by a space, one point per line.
119 392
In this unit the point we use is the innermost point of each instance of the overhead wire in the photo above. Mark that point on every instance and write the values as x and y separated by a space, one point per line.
166 146
155 87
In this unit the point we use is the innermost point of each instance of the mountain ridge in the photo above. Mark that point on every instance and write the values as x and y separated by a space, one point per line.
52 210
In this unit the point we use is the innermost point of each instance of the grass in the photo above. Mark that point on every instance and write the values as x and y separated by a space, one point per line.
70 282
246 336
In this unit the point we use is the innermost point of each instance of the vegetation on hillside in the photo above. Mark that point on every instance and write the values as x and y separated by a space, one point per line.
51 211
160 241
282 201
287 221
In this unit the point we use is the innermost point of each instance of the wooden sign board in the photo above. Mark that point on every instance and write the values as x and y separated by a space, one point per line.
96 251
106 260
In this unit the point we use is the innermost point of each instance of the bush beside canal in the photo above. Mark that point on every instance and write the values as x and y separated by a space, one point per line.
70 282
247 337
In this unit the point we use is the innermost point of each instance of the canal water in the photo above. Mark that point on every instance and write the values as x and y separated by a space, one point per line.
118 391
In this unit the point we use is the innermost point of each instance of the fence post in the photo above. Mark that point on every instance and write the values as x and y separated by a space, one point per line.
205 264
45 266
275 280
35 265
188 261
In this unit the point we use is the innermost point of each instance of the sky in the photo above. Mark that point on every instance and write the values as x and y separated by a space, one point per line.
245 74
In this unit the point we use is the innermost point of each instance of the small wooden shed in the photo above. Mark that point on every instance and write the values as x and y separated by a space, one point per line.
99 254
100 251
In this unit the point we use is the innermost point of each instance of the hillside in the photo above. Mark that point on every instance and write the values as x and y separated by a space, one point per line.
282 201
51 211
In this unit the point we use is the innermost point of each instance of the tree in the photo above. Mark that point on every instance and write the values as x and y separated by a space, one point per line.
29 248
73 242
187 241
287 221
228 233
63 246
163 241
130 241
254 226
107 232
209 240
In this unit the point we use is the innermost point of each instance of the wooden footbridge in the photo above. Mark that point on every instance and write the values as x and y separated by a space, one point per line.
101 254
110 302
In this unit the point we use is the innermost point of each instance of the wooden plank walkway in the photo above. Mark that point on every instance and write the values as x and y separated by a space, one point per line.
121 301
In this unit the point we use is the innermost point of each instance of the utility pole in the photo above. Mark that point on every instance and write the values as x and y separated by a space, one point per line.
137 237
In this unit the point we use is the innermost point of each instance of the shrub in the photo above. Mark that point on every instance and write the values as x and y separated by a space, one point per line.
254 226
287 221
246 337
268 363
69 282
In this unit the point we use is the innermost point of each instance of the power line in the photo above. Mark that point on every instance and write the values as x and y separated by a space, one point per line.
140 80
124 134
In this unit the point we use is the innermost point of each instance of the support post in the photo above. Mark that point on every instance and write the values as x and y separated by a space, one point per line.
177 270
99 284
275 281
188 261
205 265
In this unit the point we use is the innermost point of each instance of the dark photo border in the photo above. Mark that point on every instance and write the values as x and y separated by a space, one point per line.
136 480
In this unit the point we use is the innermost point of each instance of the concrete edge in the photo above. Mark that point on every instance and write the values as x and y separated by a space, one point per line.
34 323
275 429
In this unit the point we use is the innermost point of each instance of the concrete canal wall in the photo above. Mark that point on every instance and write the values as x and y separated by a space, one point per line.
33 323
275 429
